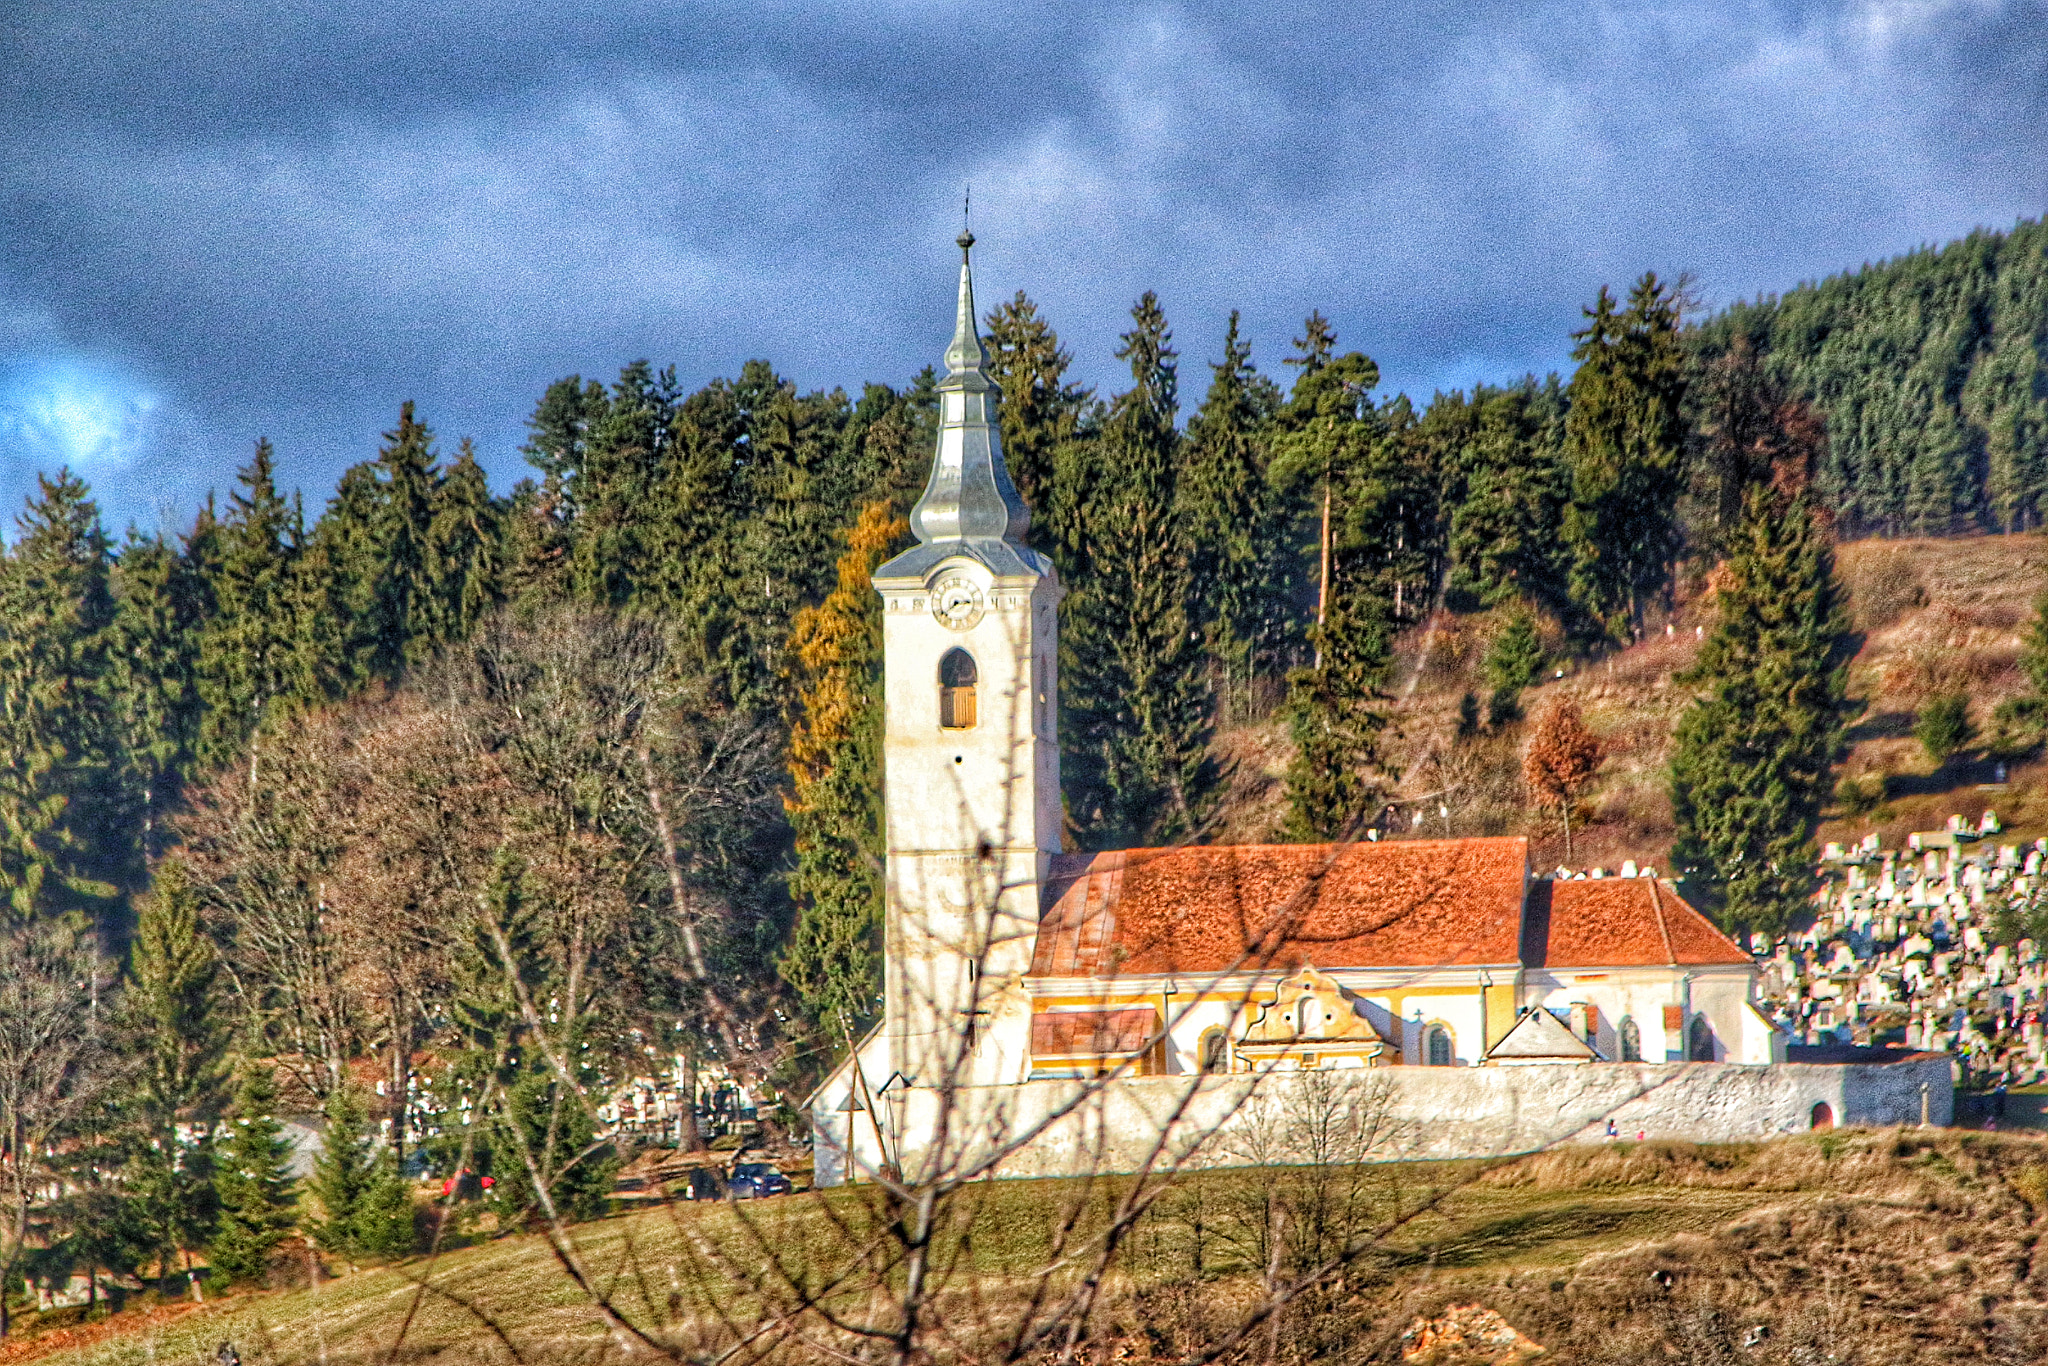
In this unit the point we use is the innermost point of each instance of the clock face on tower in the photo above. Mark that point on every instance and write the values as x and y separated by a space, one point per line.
956 602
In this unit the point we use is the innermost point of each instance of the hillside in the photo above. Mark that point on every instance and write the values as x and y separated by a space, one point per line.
1930 615
1890 1247
1929 370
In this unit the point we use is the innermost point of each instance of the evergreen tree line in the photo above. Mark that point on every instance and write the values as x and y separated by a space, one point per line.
1931 371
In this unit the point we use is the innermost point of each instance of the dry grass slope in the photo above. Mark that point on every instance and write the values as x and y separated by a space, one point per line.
1888 1249
1931 616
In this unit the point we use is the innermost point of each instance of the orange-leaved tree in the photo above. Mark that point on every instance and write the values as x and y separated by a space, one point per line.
835 796
1561 761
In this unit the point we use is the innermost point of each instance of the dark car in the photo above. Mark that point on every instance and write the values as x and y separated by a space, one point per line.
751 1180
704 1184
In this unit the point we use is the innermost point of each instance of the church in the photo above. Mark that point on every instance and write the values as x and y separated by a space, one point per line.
1017 972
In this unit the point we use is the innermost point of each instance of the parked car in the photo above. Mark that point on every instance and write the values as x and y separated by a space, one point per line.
752 1180
705 1183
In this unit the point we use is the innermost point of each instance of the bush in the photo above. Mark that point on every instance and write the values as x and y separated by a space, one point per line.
2017 726
1859 796
1944 725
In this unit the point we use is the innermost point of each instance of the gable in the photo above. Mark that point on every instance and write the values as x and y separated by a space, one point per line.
1620 922
1540 1034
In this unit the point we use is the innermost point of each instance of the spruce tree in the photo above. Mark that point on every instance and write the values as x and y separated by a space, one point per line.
404 605
1624 439
1136 724
62 841
834 804
345 1175
254 1183
1514 658
1040 410
178 1033
1750 770
1334 448
152 678
465 551
551 1126
1237 525
247 645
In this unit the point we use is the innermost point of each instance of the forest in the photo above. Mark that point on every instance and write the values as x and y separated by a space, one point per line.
483 800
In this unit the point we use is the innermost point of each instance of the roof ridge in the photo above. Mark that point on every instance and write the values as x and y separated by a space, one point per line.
1657 905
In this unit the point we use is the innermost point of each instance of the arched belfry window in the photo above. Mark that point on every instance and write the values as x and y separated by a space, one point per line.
957 678
1631 1040
1440 1051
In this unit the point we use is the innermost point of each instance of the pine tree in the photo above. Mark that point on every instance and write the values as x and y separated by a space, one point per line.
1514 658
1237 526
172 1020
1624 437
1503 490
178 1034
345 1174
834 803
383 1224
247 646
550 1126
62 842
465 551
624 447
153 656
1039 409
1750 770
1131 673
403 600
253 1179
1334 448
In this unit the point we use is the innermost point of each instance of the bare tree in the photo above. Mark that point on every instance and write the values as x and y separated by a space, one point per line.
53 1068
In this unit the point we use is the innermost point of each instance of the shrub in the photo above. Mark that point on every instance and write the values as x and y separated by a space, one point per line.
1944 725
2017 726
1859 796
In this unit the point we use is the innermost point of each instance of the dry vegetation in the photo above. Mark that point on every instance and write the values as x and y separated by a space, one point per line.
1930 615
1875 1249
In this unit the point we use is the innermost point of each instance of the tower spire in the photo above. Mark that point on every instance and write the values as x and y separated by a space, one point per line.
969 495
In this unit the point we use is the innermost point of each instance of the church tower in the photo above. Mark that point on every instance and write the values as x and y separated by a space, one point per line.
971 744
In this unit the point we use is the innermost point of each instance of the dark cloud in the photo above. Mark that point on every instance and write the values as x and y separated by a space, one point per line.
232 219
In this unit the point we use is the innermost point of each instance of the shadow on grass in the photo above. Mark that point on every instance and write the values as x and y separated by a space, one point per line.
1516 1235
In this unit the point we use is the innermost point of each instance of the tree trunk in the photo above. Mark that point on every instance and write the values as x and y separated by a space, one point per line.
1323 581
687 1136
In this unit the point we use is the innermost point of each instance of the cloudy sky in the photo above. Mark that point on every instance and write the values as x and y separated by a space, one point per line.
226 219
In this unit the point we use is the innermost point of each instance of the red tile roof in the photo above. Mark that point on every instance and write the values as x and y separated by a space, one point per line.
1620 923
1213 908
1093 1033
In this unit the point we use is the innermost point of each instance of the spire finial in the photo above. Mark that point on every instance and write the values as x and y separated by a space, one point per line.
969 495
966 237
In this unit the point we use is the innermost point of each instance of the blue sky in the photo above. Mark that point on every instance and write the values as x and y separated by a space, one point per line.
226 220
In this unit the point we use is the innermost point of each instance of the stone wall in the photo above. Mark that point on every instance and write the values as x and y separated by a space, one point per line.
1414 1112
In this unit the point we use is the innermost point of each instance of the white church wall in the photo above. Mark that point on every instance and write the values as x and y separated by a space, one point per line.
1463 1013
1439 1112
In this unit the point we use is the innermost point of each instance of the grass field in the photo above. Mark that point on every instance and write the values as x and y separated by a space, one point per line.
1889 1247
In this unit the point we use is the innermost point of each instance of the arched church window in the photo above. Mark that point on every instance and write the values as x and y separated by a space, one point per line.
1701 1048
957 677
1631 1040
1309 1012
1440 1050
1215 1054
